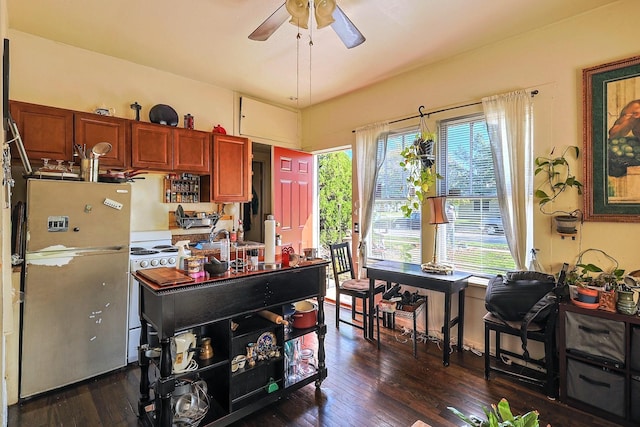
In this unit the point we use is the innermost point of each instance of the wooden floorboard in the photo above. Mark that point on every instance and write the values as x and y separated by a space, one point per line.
365 387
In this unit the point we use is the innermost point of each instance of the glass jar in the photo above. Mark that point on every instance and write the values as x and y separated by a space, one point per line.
307 365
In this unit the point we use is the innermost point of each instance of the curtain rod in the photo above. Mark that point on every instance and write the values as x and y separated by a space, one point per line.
533 93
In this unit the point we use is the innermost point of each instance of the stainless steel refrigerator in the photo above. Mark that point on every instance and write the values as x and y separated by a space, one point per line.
74 318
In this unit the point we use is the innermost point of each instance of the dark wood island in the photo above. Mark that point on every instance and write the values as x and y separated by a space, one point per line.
225 309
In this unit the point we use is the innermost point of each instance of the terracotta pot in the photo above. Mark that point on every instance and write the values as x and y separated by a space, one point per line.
305 316
587 295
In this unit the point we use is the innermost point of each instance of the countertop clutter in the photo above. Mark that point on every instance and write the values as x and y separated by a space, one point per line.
169 277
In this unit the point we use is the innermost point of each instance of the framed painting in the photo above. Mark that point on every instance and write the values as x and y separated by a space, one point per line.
611 107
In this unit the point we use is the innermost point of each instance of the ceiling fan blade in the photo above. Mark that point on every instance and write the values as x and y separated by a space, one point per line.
270 25
344 28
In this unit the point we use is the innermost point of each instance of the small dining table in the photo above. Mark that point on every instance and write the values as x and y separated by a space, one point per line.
412 275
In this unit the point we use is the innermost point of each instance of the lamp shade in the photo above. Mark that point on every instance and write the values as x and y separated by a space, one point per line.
437 209
324 12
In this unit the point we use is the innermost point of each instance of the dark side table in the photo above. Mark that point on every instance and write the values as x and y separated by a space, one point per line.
412 275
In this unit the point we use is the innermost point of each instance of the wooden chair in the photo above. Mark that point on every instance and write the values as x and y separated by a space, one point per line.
346 283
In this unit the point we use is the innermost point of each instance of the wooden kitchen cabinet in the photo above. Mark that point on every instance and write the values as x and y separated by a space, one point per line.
191 151
166 148
90 129
231 169
47 132
151 146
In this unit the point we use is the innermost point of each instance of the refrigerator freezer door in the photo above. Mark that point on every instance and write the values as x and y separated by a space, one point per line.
74 214
74 320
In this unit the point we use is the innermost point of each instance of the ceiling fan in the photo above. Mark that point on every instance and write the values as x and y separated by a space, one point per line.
326 12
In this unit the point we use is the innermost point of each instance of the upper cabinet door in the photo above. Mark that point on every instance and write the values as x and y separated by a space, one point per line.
151 146
93 128
231 178
191 151
47 132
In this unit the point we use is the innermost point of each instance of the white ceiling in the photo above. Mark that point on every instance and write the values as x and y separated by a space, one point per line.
206 40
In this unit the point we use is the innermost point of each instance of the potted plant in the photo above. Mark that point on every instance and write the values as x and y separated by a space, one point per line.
418 159
558 177
500 416
595 284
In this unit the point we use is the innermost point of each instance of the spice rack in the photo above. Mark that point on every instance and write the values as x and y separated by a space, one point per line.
182 189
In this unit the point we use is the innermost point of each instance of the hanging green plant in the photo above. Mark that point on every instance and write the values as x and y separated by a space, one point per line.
418 159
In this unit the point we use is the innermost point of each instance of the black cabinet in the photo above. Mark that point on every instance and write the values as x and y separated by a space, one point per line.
226 311
599 368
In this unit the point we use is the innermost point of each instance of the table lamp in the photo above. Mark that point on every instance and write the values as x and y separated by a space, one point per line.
438 216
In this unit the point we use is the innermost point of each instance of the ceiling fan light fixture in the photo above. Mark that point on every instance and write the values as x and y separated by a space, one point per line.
299 11
324 12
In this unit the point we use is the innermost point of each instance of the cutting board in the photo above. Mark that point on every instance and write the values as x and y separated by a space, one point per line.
164 276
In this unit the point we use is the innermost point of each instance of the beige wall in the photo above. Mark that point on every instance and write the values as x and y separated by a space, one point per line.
550 59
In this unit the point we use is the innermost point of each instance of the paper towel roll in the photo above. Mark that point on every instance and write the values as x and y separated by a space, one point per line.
270 240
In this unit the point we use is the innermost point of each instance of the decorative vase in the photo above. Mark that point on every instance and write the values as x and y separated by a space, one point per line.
625 304
206 350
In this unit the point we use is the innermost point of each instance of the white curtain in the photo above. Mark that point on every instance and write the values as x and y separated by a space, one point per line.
367 167
510 126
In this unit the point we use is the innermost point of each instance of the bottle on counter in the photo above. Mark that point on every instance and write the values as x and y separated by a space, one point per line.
240 231
225 249
233 236
183 254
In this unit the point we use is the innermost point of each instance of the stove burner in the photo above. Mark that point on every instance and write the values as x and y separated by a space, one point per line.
161 247
171 250
143 251
136 249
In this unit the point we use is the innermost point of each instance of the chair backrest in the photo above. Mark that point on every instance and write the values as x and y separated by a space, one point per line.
341 261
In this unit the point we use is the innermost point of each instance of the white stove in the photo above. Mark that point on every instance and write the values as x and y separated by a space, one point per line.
149 249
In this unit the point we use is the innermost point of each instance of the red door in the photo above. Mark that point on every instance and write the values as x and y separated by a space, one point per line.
293 207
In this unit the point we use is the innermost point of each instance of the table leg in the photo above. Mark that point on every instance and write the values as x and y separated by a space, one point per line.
165 385
461 319
371 310
446 329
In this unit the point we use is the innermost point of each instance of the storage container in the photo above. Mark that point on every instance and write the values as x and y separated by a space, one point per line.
634 357
595 338
596 386
635 399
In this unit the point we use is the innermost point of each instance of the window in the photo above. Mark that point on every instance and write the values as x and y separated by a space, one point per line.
394 236
474 239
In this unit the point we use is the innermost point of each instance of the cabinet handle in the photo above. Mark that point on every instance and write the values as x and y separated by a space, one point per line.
594 382
593 331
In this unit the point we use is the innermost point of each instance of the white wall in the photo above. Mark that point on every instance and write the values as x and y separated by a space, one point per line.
550 59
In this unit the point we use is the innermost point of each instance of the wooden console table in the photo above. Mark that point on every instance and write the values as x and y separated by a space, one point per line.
412 275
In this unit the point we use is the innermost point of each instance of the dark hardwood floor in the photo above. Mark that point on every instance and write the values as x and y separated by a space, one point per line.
364 387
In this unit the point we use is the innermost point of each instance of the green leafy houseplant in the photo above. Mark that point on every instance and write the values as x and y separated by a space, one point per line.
500 416
557 179
418 160
589 274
